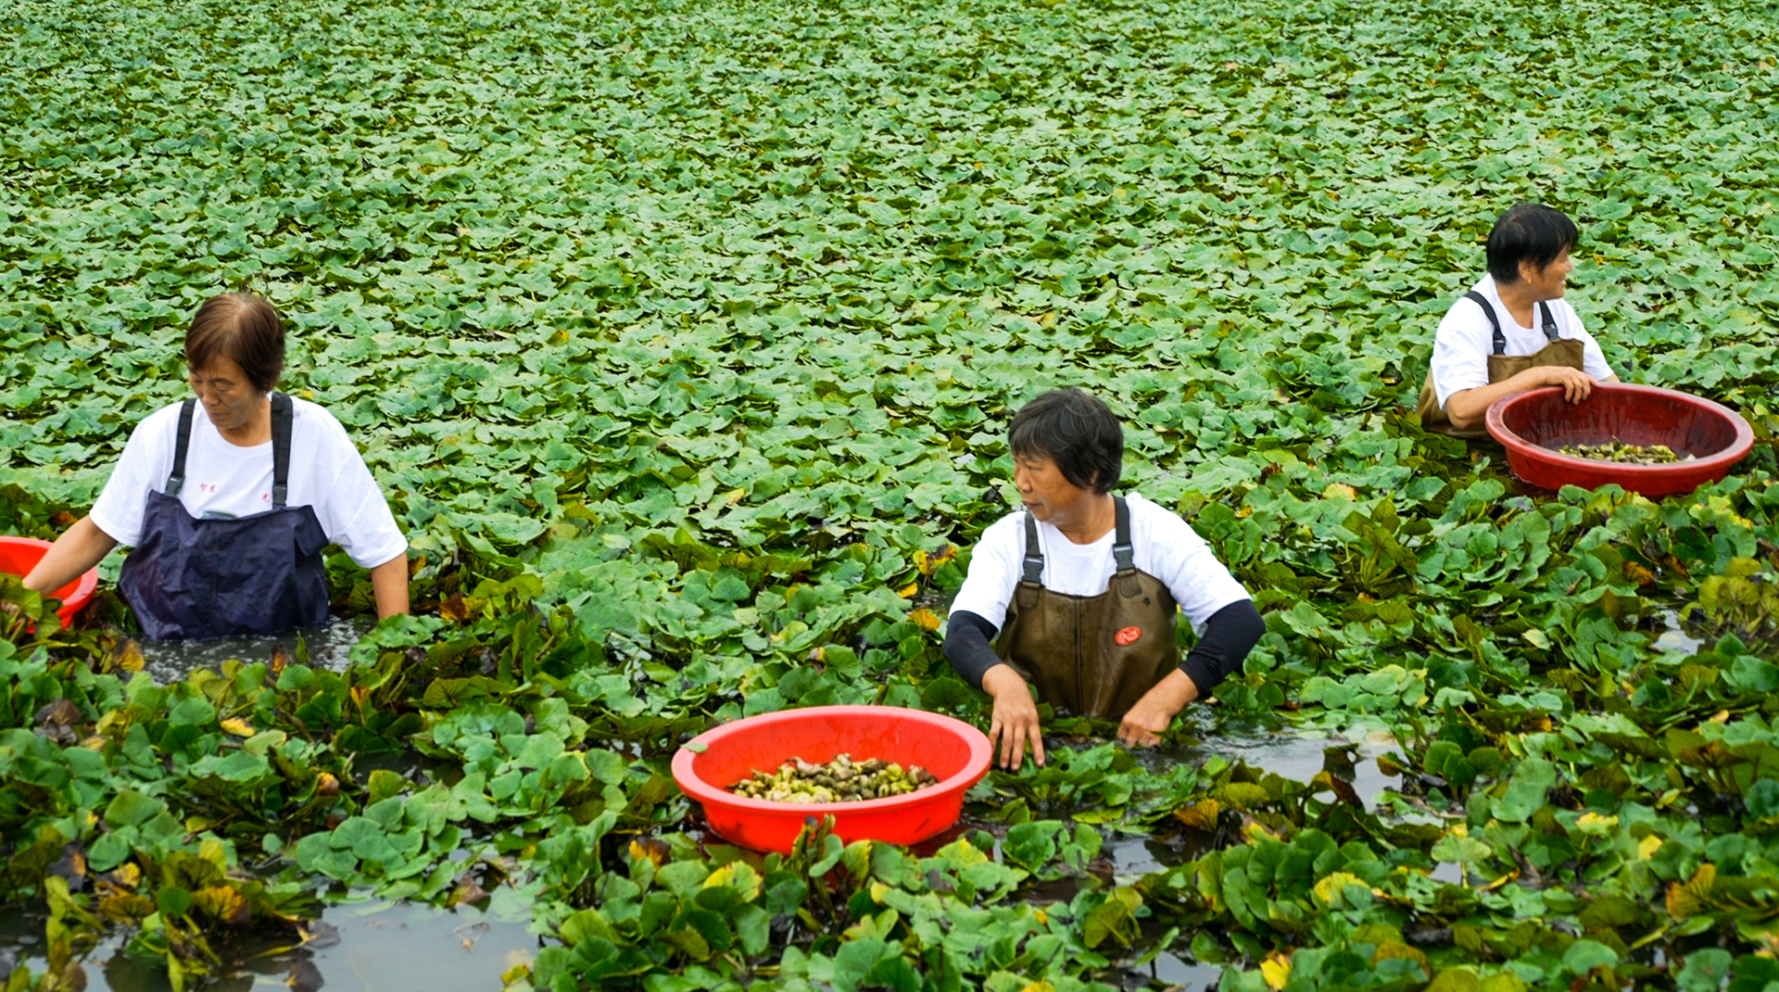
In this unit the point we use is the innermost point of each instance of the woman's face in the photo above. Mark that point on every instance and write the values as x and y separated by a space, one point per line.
1045 491
228 396
1550 281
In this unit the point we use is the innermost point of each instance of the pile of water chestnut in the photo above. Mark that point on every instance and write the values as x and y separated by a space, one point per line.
841 780
1625 454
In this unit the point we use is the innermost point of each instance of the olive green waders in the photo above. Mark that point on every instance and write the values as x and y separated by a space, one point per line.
1566 352
1092 655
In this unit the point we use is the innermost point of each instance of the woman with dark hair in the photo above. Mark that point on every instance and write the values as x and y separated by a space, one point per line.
1487 346
228 499
1084 588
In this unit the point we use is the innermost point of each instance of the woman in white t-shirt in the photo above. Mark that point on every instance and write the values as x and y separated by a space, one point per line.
228 499
1080 591
1513 331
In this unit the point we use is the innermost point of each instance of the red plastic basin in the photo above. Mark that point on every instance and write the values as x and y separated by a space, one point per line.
1531 425
19 555
951 749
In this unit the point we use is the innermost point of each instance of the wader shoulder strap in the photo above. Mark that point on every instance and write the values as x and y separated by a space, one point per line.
1122 551
1494 321
281 420
1548 320
181 445
1034 556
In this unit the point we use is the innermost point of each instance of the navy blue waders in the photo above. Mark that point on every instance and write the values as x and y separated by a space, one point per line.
193 577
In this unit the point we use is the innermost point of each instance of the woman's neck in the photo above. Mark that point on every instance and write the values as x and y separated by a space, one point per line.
257 429
1095 518
1519 298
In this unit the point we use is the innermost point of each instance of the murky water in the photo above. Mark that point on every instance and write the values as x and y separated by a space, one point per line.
379 945
1291 753
1674 636
326 646
365 947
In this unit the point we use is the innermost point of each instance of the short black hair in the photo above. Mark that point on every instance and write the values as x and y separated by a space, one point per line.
1077 431
1529 232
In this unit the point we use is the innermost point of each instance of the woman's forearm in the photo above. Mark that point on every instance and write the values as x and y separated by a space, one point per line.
389 584
79 548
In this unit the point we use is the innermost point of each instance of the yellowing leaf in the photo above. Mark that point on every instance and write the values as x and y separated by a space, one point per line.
1691 897
648 849
128 657
737 875
223 904
928 564
925 619
1340 490
1594 823
1329 888
1201 815
1647 847
239 727
1276 970
908 591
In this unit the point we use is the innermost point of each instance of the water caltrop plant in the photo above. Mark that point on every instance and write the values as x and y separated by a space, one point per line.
683 337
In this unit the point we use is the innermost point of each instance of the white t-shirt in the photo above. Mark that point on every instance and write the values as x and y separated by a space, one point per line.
1165 547
326 473
1465 340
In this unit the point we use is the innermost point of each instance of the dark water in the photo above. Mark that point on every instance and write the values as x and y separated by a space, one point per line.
376 945
366 947
327 646
1674 636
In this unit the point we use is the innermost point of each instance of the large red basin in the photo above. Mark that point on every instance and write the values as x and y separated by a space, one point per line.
951 749
1531 425
19 555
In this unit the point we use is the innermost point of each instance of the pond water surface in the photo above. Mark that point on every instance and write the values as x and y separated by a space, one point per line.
380 946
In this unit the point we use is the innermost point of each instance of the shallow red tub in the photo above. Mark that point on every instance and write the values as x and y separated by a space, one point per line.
1532 425
19 555
951 749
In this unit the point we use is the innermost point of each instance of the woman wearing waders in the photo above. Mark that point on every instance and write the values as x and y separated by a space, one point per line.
1083 589
228 499
1513 331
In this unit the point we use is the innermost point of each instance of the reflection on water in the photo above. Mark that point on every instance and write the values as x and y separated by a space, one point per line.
1674 636
1169 970
365 947
327 646
1289 754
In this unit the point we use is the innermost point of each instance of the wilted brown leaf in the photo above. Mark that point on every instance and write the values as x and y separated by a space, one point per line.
468 890
57 721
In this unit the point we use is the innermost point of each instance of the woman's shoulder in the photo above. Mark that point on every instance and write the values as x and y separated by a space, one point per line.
1146 509
307 415
162 423
1150 520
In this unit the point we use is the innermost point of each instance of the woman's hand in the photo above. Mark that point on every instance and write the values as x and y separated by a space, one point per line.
79 548
1148 719
1576 383
1469 408
1015 720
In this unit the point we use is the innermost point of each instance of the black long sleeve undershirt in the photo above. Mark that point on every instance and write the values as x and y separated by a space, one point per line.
1229 635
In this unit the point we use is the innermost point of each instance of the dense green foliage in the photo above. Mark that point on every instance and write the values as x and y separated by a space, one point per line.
683 336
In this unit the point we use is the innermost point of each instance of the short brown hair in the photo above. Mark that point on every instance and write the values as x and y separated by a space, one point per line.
243 328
